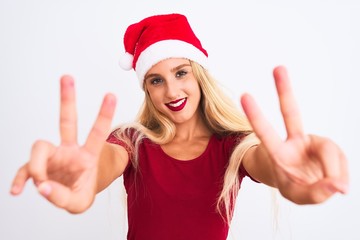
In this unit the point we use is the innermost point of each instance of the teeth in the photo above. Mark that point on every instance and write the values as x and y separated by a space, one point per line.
177 104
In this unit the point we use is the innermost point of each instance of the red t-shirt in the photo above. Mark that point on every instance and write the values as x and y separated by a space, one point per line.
174 199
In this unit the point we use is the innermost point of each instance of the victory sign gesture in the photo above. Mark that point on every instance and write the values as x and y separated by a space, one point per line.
305 168
67 174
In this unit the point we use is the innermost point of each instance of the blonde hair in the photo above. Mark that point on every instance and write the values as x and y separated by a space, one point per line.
219 114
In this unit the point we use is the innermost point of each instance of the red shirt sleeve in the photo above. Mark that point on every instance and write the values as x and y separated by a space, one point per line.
112 138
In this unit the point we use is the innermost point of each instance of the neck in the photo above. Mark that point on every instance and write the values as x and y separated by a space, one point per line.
194 128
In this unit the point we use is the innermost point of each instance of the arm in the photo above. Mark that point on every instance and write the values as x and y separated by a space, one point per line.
113 161
259 166
305 168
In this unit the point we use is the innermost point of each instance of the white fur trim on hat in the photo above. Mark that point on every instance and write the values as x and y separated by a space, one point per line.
126 61
167 49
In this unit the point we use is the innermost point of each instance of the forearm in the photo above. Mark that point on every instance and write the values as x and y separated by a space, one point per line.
112 163
259 165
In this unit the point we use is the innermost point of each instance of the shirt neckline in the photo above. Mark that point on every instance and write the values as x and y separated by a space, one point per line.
212 137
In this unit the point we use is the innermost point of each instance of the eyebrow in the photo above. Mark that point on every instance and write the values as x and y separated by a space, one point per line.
172 70
179 67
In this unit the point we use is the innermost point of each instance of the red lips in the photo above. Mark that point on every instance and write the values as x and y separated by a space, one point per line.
177 105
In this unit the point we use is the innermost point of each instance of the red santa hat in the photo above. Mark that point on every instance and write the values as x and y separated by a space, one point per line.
157 38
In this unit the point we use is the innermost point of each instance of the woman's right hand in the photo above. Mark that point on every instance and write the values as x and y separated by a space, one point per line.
66 175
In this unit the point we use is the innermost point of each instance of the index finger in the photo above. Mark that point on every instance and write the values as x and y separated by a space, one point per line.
262 128
100 130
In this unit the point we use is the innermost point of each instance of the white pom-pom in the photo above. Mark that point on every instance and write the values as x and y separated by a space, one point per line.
126 61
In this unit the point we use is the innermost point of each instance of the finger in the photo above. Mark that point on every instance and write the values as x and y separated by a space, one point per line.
289 108
344 172
261 126
100 130
332 159
315 193
19 181
37 166
63 197
68 115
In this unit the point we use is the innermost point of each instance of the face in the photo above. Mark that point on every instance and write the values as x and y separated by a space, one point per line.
173 89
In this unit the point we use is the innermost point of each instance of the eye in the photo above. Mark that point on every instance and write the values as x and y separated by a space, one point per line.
156 81
181 73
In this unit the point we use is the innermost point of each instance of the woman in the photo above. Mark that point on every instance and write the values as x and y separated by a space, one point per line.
185 156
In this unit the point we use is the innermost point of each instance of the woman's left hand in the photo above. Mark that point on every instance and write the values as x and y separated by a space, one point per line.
307 168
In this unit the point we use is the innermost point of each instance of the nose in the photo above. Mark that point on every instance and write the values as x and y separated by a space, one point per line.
172 89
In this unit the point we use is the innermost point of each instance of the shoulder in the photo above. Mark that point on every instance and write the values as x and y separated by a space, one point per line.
226 143
231 139
122 134
128 138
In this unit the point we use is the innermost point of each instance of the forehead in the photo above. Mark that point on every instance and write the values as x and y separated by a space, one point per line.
167 64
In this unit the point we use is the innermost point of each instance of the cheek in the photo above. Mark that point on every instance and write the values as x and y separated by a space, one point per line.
195 89
156 99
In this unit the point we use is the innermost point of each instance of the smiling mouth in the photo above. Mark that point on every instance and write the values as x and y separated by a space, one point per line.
177 105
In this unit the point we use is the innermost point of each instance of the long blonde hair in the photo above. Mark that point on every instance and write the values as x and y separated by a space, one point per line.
221 117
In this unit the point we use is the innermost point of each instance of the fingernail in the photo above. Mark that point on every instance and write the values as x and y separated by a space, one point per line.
332 189
15 189
110 99
44 189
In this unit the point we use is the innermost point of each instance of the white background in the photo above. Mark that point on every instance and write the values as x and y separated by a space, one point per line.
41 40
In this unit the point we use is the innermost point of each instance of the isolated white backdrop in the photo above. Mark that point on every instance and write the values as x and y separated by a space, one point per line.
41 40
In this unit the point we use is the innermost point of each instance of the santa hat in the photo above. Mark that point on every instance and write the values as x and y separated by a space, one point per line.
157 38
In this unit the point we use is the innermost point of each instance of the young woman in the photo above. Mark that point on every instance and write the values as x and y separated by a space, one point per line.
184 157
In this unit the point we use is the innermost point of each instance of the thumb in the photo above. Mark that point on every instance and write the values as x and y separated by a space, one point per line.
315 193
63 197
